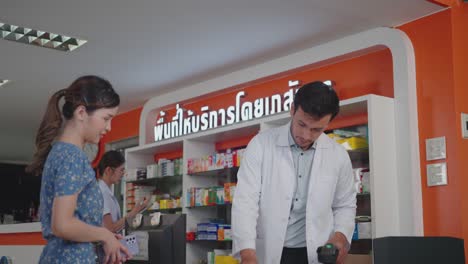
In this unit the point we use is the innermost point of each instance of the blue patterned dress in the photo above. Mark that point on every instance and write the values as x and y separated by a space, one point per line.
67 171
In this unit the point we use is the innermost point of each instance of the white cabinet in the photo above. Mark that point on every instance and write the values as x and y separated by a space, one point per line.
379 111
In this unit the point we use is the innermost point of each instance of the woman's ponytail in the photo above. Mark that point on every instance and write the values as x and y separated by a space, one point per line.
90 91
48 131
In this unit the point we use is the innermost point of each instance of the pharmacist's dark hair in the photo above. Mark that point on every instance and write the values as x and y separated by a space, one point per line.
112 159
317 99
90 91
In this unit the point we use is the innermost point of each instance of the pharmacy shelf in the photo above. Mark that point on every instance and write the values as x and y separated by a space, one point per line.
167 210
363 218
216 173
389 215
209 206
361 247
152 181
205 240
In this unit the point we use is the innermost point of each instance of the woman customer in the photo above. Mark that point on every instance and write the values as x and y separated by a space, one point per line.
111 169
71 203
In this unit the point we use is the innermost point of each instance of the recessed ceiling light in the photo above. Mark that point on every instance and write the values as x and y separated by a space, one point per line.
39 38
3 82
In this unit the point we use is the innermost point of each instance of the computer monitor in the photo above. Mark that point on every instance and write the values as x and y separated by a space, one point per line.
162 244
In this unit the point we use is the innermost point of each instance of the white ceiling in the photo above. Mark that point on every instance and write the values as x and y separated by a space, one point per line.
148 47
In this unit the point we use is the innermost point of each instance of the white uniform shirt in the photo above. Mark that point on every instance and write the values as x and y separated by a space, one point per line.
111 205
265 190
303 160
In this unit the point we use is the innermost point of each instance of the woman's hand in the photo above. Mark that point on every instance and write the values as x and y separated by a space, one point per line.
115 251
139 206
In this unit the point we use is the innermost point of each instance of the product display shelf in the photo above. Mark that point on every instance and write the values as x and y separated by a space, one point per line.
226 172
360 159
209 206
142 156
154 181
387 213
359 153
361 247
196 147
363 194
168 210
207 245
363 218
224 244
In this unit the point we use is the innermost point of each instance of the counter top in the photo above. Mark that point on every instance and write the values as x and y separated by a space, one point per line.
21 228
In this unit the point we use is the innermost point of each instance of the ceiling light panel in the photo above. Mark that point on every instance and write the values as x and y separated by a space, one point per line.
3 82
39 38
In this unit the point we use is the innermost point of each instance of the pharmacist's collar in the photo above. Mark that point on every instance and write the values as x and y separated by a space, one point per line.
293 144
283 138
105 187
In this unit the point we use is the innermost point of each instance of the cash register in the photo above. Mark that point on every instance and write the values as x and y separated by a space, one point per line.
161 242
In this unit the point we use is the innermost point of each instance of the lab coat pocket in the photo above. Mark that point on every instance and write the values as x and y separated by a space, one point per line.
325 189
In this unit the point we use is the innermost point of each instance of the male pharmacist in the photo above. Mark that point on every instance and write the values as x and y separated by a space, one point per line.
295 189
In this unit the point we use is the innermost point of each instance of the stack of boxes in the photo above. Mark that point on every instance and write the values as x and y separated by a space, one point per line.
215 162
362 230
137 193
135 174
362 180
165 168
213 231
210 196
166 203
350 140
221 256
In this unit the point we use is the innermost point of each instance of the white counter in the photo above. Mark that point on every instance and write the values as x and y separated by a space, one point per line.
21 228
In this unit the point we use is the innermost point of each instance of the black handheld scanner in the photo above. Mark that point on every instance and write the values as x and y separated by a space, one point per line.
327 254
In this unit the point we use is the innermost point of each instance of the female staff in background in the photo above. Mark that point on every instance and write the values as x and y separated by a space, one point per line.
111 169
71 203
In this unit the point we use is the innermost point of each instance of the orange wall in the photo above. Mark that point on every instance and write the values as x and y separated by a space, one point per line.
442 81
26 239
460 59
368 74
432 41
124 125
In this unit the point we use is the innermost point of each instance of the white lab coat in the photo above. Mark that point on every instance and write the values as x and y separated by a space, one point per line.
265 189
